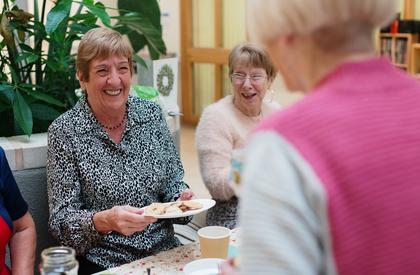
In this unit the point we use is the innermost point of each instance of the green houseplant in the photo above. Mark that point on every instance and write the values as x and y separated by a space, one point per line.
37 70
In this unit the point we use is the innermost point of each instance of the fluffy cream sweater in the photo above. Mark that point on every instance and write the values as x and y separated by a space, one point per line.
222 129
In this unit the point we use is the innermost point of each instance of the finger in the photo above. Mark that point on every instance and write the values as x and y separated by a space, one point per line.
186 195
139 219
227 268
231 261
128 227
132 209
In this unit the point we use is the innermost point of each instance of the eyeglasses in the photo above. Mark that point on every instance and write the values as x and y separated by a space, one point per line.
241 78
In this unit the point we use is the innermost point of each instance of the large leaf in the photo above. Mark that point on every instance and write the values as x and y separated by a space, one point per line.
47 98
22 113
6 93
138 41
57 14
26 47
98 9
141 25
147 11
154 53
139 60
44 112
4 107
27 57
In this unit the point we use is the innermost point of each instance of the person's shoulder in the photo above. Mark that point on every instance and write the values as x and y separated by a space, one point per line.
145 109
3 164
219 109
63 119
271 106
216 118
65 122
2 158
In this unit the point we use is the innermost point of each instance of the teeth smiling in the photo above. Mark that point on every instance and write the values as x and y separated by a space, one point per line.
248 95
113 92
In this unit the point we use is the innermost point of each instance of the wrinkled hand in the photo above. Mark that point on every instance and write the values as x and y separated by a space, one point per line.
125 220
228 267
186 195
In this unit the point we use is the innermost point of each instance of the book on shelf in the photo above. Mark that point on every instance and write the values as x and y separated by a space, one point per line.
401 49
386 47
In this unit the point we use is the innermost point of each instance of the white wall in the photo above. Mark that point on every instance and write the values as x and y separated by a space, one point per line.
170 21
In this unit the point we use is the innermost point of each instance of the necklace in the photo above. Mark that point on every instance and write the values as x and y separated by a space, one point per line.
116 126
256 118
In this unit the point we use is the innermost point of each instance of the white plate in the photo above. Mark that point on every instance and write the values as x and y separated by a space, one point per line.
208 266
207 203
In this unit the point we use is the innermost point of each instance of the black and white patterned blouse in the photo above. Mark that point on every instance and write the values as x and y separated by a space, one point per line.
87 173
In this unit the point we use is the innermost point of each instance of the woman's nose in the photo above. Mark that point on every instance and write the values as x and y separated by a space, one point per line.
113 78
247 82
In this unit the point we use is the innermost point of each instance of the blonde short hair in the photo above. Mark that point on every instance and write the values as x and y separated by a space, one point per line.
269 18
101 43
251 55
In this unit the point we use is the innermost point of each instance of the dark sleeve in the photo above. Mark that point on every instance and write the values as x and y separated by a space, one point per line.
174 184
68 221
13 200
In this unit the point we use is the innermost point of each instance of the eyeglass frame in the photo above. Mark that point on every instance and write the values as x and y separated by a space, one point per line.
243 77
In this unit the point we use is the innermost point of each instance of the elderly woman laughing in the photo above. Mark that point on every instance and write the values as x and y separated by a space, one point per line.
109 156
224 126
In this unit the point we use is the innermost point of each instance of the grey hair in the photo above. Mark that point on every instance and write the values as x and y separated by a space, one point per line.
269 18
251 55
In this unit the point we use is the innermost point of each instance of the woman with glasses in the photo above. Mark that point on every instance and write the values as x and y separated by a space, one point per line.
225 125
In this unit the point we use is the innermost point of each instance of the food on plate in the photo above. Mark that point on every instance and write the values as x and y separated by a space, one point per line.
173 209
192 205
177 207
156 209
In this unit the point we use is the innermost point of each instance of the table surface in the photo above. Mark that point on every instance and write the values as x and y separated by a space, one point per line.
166 262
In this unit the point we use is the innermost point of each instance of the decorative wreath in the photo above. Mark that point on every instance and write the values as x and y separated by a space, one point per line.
165 71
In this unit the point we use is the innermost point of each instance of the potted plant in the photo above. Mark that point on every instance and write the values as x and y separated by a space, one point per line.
37 60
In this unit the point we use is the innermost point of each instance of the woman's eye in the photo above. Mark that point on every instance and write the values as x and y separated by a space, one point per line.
102 72
124 69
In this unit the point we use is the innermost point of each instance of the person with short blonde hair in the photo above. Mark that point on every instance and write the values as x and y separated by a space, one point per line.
225 125
331 184
108 157
100 43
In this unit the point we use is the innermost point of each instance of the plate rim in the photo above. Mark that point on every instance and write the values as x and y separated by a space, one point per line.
184 214
201 260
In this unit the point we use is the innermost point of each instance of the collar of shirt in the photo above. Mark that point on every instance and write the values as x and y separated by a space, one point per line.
86 122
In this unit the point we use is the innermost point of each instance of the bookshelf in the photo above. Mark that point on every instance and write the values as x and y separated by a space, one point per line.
415 60
398 48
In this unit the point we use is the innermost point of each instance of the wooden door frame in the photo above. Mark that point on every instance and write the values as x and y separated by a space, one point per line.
408 12
190 55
